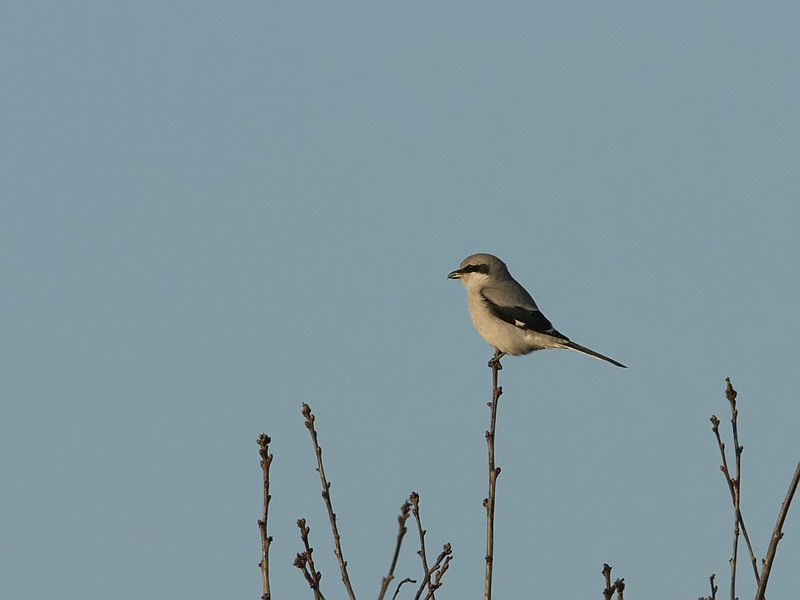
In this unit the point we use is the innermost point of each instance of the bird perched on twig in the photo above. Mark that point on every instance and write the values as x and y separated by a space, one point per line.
505 314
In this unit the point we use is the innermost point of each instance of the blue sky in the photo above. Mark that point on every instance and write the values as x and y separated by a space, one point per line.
212 213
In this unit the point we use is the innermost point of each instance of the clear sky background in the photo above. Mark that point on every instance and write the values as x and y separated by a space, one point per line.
213 212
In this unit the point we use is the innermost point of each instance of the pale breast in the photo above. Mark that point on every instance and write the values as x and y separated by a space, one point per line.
497 333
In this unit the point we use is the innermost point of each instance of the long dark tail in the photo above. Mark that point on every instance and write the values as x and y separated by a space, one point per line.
592 353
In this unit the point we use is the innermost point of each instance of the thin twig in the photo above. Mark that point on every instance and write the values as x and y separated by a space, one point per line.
734 554
732 489
446 552
620 585
305 562
777 534
414 499
399 585
714 589
301 562
489 502
438 582
608 591
734 484
326 496
266 540
731 394
401 532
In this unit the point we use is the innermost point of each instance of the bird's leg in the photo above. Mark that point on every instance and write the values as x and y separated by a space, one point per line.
495 361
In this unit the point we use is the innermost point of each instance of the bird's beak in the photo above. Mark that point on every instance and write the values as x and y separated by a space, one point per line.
455 274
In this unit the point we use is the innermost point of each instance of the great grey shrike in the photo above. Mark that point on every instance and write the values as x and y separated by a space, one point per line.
505 314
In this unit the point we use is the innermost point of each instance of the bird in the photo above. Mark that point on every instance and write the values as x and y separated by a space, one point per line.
505 314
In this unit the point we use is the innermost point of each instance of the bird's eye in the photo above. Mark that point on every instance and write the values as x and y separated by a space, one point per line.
477 269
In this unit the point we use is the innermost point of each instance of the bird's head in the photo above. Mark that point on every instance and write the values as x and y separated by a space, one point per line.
477 270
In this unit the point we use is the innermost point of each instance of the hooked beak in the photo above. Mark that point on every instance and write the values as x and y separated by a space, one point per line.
455 274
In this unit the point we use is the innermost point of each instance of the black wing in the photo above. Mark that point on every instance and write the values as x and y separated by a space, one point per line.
524 318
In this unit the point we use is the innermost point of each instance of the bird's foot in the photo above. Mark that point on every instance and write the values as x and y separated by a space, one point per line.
494 363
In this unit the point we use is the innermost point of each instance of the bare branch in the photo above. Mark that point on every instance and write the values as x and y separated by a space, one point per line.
266 540
414 499
401 532
305 562
301 562
618 586
734 485
399 585
730 394
326 496
608 591
714 589
446 553
438 582
734 554
489 502
777 534
734 495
